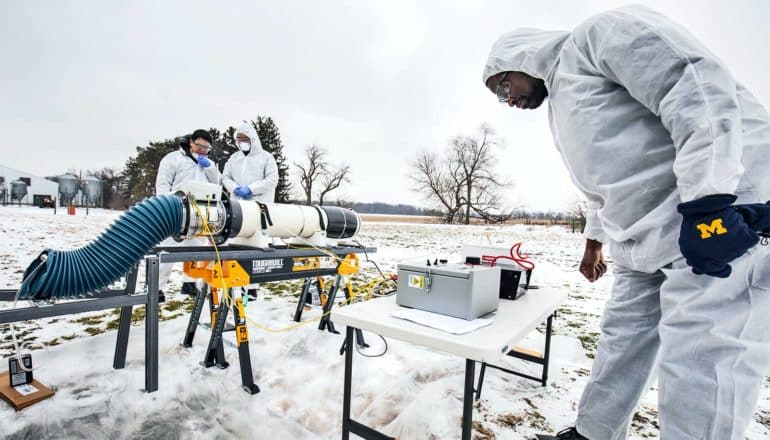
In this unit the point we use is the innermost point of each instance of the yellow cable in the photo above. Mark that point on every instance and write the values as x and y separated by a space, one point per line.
333 255
299 324
369 287
210 235
323 251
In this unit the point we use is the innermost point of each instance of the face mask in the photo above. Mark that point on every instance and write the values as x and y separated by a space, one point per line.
244 146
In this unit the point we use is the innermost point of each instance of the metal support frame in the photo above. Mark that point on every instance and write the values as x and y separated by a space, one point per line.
215 352
121 346
125 299
243 254
544 361
195 316
302 299
151 326
326 322
104 299
351 426
244 357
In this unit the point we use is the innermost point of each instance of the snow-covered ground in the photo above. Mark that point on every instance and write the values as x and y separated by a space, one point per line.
411 392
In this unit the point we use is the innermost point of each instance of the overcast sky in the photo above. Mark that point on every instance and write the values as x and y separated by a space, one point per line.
83 83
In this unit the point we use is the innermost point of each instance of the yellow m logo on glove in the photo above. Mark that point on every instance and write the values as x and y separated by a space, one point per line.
716 227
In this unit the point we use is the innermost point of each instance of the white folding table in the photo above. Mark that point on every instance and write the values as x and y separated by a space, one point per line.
513 320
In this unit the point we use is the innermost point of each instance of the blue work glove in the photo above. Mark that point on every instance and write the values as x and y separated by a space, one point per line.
756 216
242 192
203 161
713 234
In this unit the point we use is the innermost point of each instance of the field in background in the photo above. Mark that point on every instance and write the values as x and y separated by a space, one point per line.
428 220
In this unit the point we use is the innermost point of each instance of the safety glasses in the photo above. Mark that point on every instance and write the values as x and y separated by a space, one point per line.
503 89
205 147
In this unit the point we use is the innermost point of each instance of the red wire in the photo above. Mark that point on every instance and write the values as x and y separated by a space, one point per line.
521 260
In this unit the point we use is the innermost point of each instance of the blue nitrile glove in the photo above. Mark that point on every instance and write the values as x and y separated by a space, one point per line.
242 192
713 234
203 161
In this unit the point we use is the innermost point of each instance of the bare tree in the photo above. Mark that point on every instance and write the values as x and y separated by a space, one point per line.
332 179
439 181
578 212
312 170
487 203
465 182
318 176
476 160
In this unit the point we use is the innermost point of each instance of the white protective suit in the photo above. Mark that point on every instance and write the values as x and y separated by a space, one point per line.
175 169
255 168
645 118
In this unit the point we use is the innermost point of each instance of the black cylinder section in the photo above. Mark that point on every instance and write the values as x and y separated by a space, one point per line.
342 222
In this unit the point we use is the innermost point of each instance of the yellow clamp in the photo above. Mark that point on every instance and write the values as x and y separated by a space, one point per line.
227 273
349 265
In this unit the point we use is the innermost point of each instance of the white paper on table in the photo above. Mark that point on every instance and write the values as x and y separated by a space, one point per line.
449 324
26 389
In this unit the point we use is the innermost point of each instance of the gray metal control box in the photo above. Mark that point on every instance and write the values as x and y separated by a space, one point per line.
458 290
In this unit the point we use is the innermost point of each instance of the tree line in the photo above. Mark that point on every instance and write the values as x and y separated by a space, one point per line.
136 180
458 183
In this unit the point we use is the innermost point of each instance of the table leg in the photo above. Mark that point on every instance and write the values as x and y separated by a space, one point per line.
547 356
470 377
481 380
348 379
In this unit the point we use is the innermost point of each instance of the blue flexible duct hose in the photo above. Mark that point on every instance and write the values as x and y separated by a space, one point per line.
68 274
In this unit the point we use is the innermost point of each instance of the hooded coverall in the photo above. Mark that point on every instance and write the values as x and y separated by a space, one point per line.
175 169
255 168
645 118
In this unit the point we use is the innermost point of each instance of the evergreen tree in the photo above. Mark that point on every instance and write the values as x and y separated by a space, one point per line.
271 141
142 169
222 147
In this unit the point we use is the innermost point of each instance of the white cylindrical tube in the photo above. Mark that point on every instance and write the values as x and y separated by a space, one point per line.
287 221
294 221
250 218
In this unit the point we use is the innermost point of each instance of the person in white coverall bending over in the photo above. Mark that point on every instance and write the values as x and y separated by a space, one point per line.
673 155
187 164
250 174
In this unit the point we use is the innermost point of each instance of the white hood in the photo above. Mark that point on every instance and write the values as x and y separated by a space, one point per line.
247 129
531 51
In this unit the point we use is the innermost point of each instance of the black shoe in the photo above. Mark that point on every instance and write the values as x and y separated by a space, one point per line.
189 289
564 434
252 294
